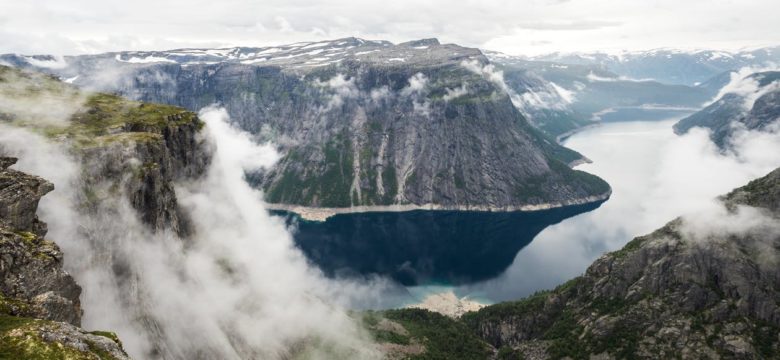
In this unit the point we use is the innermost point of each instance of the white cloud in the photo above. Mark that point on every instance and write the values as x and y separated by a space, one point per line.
46 26
747 87
417 83
455 93
380 93
656 177
238 288
341 88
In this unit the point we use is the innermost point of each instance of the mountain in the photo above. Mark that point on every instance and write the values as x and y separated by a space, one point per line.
360 123
40 311
699 287
595 94
751 102
670 66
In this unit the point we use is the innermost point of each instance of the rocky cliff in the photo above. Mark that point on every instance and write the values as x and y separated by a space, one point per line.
752 104
39 302
113 137
672 293
364 123
128 155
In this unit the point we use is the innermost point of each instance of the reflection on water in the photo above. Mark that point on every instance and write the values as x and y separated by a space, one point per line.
423 247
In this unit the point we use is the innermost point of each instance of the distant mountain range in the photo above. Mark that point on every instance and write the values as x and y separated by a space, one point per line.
669 66
590 93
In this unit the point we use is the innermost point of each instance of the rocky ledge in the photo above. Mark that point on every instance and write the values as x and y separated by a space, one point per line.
39 302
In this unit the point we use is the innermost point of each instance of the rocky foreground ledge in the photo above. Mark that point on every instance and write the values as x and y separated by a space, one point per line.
40 312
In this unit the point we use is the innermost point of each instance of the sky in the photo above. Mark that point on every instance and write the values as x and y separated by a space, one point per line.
520 27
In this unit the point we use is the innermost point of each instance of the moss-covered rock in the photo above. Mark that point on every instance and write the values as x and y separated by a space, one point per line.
26 338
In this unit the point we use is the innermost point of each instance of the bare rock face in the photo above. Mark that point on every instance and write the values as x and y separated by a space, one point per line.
31 267
19 196
668 294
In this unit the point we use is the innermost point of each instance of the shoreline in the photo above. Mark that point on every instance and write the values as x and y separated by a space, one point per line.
318 214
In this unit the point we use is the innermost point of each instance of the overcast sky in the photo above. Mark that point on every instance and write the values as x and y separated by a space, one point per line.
517 27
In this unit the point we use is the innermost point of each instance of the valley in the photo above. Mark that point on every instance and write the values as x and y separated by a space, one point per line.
369 199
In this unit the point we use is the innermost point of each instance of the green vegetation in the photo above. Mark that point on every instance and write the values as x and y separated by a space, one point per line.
765 339
20 338
327 188
592 183
110 118
509 309
507 353
443 337
11 306
96 119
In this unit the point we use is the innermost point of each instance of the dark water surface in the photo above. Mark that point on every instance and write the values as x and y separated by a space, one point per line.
423 247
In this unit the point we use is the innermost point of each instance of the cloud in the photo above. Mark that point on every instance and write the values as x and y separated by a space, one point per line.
341 89
747 87
379 94
656 177
33 100
417 83
416 91
238 288
455 93
488 71
595 78
568 25
566 95
45 26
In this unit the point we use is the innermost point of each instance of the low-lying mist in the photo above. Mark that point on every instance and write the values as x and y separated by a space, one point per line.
656 177
238 288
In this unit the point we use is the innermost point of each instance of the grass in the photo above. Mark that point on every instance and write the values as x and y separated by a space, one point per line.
443 337
96 118
509 309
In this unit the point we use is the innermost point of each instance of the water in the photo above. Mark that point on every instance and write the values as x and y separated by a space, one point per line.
655 176
424 247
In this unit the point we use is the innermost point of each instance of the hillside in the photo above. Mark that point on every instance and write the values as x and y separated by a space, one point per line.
363 123
752 103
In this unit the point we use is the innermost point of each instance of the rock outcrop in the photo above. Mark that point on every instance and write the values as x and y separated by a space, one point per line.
31 267
40 309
